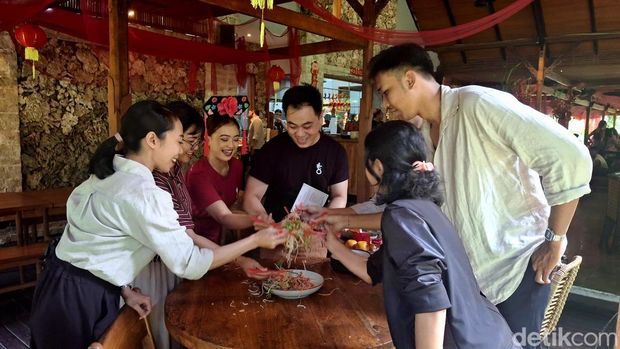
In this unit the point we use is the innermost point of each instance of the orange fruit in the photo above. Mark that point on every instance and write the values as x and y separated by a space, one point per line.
350 243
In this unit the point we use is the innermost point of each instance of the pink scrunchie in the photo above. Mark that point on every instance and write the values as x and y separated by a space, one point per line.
423 166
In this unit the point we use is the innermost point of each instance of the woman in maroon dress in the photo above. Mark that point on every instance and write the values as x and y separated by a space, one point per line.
214 182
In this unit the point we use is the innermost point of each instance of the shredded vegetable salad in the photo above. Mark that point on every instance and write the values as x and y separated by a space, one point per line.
288 281
301 235
302 231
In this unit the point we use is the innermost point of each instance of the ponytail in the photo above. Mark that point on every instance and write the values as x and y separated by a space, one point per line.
101 163
140 119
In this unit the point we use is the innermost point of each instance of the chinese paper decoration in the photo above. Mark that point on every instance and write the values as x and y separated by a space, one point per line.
262 4
275 74
314 70
233 106
32 37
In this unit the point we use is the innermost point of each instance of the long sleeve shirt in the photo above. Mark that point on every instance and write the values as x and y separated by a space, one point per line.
116 226
492 152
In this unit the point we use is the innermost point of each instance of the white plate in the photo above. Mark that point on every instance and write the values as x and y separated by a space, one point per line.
315 278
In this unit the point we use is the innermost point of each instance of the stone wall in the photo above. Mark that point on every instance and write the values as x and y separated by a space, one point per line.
63 110
10 171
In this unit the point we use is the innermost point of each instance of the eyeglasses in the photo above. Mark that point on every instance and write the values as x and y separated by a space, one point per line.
193 144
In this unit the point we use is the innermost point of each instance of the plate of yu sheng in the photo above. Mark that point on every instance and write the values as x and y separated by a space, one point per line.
293 283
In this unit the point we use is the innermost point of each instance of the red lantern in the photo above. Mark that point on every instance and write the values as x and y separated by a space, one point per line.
32 37
275 74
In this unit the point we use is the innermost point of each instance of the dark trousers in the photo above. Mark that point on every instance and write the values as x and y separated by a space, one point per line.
71 307
525 308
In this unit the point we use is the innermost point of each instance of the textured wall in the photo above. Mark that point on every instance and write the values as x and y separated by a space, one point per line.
10 171
63 111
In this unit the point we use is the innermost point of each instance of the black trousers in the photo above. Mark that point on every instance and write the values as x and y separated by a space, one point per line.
71 307
525 308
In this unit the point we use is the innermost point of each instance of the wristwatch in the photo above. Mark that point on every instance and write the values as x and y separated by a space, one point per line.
550 235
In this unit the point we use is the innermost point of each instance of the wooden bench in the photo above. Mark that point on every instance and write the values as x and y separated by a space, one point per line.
19 256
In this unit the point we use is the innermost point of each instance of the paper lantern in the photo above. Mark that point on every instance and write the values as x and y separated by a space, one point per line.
275 74
32 37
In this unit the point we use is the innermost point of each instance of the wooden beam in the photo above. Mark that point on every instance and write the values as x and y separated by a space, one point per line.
379 6
558 39
593 24
448 8
119 98
412 12
498 33
291 18
539 22
357 7
316 48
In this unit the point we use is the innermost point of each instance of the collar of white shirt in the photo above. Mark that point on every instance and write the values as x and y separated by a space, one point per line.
449 102
130 166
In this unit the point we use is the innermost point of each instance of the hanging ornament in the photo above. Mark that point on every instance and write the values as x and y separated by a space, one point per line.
276 75
32 37
262 4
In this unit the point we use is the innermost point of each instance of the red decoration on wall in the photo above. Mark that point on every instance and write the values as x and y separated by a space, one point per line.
275 74
32 37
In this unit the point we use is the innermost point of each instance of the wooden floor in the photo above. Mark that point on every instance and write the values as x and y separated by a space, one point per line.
14 312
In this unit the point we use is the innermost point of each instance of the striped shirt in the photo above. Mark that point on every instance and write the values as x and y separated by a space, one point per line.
173 183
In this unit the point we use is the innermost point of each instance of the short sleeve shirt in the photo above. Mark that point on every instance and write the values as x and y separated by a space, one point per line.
206 186
285 167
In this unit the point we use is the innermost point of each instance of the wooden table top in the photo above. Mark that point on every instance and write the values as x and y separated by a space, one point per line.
219 312
55 197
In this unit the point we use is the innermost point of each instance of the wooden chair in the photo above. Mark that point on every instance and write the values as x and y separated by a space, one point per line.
18 257
126 332
561 282
618 328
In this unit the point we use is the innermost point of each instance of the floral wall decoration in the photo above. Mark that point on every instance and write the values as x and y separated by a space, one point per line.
63 110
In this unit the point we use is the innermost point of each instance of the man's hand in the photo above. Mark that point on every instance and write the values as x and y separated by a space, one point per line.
546 258
138 301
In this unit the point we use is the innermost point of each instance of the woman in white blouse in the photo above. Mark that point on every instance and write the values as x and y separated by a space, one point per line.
117 221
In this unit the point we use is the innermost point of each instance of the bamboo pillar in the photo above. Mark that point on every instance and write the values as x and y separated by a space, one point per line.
540 77
369 19
119 98
586 131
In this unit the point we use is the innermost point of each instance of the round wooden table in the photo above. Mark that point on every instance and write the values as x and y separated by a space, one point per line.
218 311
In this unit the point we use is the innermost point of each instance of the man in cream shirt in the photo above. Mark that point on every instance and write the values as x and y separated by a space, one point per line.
491 152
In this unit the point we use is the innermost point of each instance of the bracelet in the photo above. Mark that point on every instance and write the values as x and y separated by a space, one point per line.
129 286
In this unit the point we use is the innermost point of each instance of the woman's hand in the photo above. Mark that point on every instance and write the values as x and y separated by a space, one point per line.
334 223
138 301
262 222
270 237
252 268
314 211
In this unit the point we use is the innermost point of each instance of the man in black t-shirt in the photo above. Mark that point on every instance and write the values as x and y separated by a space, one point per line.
301 155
